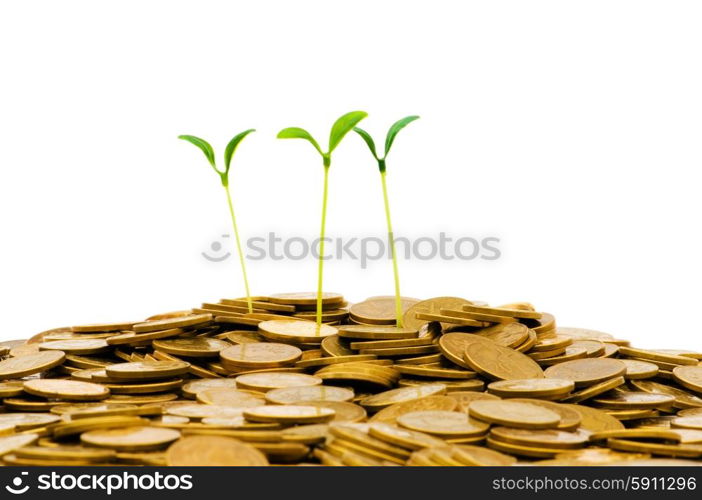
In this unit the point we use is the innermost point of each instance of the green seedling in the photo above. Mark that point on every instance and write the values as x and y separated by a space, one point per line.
341 127
224 177
389 139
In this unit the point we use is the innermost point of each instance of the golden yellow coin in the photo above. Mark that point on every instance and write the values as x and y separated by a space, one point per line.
402 351
514 414
634 400
226 396
243 336
30 364
333 360
694 422
502 311
8 444
639 369
90 455
506 335
447 424
379 311
260 355
141 370
24 421
662 434
264 382
141 399
170 323
191 389
200 347
451 385
289 414
75 346
556 342
481 457
102 327
130 438
211 451
547 438
521 450
356 375
571 353
384 399
139 339
435 372
295 331
450 320
384 344
454 344
670 450
683 399
585 334
336 346
477 316
293 395
390 413
11 388
587 371
365 442
465 398
405 438
500 363
595 420
656 356
689 377
430 306
376 332
570 419
635 414
345 412
305 298
200 411
420 360
145 388
594 390
531 388
87 410
66 389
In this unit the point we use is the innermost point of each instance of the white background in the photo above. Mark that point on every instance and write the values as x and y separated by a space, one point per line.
571 130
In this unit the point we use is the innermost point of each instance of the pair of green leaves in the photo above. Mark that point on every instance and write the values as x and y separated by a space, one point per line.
389 138
341 127
206 148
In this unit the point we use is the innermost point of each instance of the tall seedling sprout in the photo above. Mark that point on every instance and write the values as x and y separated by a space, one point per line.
389 139
341 127
224 177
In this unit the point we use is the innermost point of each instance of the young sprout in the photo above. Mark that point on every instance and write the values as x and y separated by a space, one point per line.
224 177
341 127
389 139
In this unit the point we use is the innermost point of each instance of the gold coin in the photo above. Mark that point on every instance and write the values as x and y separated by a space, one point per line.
87 410
570 419
191 389
477 316
376 332
571 353
141 399
481 457
293 395
260 304
200 411
130 438
435 372
546 438
420 360
507 335
670 450
500 363
689 377
194 347
683 399
384 399
503 311
305 298
514 414
354 375
430 306
384 344
549 344
90 455
694 422
75 346
314 362
405 438
594 390
465 398
226 396
11 388
30 364
521 450
646 354
24 421
137 339
639 369
336 346
243 336
102 327
211 451
587 371
379 311
593 348
260 355
390 413
8 444
402 351
295 331
345 412
145 388
66 389
595 420
451 385
449 424
634 400
453 345
450 320
531 388
636 434
274 380
141 370
289 414
170 323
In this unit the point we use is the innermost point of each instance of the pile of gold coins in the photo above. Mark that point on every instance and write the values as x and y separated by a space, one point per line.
460 383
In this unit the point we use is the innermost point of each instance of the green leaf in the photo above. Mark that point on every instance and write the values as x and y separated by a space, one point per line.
231 147
343 126
299 133
395 128
369 140
203 145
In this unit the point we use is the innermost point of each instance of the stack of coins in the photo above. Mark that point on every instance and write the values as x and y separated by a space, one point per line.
460 383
